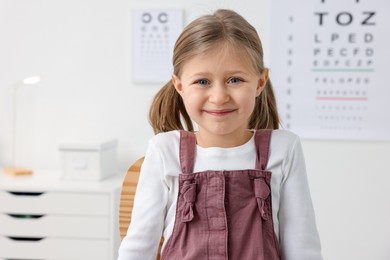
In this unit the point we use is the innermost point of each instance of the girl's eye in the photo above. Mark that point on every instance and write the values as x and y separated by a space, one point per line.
202 82
234 80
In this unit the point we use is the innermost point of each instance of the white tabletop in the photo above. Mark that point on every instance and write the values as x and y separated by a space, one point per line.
41 181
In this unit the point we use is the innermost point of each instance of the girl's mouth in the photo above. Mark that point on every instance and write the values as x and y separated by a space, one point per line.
221 112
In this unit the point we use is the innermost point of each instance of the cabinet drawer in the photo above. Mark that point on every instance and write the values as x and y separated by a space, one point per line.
54 203
51 248
54 226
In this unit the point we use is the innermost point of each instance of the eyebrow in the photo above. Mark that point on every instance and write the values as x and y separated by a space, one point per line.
206 73
237 72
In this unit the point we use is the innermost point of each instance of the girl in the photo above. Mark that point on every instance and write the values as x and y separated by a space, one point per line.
236 188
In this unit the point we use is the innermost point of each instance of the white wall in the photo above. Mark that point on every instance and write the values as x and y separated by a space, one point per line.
82 51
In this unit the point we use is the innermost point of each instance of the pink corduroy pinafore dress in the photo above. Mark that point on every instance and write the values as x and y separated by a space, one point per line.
223 214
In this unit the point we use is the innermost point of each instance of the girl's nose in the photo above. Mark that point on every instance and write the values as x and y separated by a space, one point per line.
219 94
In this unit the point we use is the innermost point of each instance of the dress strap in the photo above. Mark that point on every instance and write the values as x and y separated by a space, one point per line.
187 151
262 142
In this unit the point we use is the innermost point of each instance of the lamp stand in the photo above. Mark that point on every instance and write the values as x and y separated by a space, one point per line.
15 171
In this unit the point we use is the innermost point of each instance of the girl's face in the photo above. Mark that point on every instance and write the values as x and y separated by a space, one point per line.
219 89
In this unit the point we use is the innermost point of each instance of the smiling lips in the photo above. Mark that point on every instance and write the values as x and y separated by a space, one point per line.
222 112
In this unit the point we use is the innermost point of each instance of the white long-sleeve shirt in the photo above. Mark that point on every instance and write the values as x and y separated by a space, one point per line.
155 201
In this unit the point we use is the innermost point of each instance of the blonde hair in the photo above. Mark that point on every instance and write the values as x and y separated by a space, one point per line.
167 111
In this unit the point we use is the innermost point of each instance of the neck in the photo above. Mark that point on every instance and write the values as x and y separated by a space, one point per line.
223 141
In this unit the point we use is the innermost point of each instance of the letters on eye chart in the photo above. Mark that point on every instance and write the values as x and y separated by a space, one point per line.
328 64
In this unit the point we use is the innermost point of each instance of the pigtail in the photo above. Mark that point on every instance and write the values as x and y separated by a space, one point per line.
167 111
265 114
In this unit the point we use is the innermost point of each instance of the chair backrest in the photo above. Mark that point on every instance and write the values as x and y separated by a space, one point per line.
129 187
126 203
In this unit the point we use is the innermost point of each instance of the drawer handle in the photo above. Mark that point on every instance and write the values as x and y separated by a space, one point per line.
32 239
23 193
24 216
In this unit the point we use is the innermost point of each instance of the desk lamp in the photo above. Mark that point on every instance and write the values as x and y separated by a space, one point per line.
14 169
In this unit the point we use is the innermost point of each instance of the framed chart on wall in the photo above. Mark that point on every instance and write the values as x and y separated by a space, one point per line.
330 67
154 32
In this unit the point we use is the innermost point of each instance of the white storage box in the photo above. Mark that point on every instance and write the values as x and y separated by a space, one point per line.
88 160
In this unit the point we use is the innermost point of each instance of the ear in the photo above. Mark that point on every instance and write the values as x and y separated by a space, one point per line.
177 83
261 83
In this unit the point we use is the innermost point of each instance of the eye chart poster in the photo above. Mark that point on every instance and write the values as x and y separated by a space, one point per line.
330 67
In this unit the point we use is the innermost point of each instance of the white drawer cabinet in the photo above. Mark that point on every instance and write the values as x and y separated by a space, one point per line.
44 218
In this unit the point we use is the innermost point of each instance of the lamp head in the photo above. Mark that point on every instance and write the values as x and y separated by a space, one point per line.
31 80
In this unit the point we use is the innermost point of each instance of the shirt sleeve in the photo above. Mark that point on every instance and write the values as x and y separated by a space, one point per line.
147 221
299 239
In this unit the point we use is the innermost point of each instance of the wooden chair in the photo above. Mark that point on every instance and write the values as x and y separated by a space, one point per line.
126 203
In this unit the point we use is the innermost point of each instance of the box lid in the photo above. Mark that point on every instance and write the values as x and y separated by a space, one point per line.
88 145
